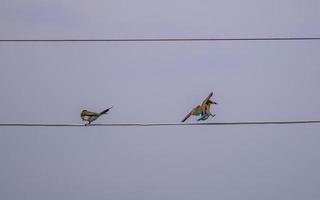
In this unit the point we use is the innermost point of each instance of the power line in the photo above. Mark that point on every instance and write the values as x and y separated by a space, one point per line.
163 124
163 39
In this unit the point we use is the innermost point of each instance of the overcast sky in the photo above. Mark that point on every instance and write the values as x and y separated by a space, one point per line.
159 82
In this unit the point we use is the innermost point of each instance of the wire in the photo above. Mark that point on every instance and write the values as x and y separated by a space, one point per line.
164 124
163 39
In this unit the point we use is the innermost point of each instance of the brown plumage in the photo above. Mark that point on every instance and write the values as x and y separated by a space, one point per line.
203 110
92 116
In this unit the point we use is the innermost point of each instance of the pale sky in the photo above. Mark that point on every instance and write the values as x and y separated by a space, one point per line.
156 82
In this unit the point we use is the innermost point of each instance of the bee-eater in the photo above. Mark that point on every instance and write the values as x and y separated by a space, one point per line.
91 116
202 110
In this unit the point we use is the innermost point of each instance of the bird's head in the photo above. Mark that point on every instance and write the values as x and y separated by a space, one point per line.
83 112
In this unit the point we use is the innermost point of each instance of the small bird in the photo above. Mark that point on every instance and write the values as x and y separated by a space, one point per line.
202 110
91 116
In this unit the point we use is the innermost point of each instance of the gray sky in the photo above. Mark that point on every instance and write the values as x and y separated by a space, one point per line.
159 82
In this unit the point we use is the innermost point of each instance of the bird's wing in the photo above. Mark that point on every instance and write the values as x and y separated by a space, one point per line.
207 99
195 111
88 113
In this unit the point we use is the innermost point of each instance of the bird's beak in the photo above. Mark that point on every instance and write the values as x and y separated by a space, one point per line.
215 102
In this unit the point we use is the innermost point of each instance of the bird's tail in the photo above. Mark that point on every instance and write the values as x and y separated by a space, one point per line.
105 111
186 117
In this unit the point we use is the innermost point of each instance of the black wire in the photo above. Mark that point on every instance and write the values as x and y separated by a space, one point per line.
163 124
163 39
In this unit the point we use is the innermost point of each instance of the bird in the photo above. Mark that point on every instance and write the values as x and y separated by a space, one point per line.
202 110
92 116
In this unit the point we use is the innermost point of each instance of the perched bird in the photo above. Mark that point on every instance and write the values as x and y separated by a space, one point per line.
202 110
91 116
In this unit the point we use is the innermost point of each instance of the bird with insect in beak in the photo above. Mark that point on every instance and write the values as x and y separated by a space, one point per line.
92 116
202 110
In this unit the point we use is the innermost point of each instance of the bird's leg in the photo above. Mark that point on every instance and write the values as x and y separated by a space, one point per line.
213 115
203 117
